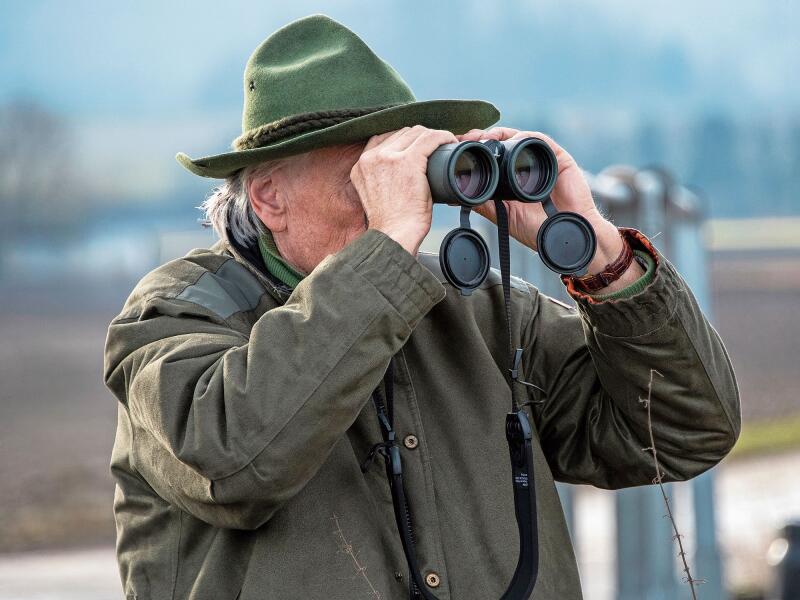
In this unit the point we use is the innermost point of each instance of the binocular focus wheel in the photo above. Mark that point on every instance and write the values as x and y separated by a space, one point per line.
566 243
464 259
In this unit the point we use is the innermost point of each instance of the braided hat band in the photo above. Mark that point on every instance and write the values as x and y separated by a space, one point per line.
296 124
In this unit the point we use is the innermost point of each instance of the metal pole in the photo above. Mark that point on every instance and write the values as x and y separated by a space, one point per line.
668 214
646 562
690 257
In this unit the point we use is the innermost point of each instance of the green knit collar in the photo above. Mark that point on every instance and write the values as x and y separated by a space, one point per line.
275 263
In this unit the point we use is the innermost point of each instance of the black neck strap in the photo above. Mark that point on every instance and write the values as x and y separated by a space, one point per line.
519 438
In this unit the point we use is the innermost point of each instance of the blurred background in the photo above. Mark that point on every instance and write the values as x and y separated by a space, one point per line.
685 115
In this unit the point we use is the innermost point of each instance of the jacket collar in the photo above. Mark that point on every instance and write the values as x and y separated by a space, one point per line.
250 256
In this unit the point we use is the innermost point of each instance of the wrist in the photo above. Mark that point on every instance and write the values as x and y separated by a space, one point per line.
409 239
612 249
609 245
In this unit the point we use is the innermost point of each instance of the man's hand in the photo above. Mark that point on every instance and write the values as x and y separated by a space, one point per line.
390 178
571 193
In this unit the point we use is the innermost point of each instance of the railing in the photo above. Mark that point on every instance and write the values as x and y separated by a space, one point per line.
672 217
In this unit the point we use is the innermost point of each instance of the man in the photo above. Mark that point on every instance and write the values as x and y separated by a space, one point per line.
244 371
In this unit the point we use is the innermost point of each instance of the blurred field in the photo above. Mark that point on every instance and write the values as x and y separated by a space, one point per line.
58 419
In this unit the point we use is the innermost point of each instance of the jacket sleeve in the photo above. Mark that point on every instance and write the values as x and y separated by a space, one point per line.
229 427
595 363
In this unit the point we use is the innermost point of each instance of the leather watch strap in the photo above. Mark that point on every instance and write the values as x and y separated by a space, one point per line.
610 273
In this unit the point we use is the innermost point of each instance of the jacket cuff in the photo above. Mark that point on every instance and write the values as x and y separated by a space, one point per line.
409 287
638 314
637 286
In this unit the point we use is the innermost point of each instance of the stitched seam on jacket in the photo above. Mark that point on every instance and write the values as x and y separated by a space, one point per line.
666 322
143 302
138 315
177 552
708 377
145 299
426 460
403 294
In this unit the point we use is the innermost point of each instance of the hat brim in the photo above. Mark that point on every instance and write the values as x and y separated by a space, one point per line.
458 116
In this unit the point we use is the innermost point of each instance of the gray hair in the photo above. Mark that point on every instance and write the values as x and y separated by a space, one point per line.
229 207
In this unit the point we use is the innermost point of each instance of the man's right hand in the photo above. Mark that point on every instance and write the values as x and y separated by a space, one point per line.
390 178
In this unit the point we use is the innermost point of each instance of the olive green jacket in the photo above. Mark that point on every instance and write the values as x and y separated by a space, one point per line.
244 415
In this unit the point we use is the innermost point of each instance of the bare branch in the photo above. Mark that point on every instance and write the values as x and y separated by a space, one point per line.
659 479
347 548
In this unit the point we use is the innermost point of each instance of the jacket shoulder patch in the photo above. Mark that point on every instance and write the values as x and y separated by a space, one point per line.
231 289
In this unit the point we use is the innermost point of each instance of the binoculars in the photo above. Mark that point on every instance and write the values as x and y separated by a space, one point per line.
471 173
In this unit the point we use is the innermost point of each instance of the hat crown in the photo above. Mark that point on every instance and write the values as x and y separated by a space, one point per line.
316 64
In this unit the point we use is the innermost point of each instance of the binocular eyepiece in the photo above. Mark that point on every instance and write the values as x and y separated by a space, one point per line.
470 173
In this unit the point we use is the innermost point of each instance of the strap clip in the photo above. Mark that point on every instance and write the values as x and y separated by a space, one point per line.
381 448
515 373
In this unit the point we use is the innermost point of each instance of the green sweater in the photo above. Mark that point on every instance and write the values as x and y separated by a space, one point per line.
291 277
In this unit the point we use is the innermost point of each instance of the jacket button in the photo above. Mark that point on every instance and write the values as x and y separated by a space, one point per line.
410 441
432 579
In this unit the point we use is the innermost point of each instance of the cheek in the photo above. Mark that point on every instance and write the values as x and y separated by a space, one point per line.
352 200
343 205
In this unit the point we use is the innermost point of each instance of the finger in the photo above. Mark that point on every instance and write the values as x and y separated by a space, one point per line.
501 133
558 150
377 140
401 142
473 135
430 140
570 183
410 137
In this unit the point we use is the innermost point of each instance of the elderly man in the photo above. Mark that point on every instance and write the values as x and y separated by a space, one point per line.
244 372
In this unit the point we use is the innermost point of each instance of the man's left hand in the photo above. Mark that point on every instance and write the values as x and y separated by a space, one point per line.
571 193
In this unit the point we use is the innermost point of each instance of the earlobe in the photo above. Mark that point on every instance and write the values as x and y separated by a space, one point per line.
267 203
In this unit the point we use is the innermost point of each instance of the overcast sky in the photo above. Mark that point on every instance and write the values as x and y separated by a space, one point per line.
151 78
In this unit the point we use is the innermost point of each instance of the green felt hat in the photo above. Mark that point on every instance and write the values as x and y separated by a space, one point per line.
315 83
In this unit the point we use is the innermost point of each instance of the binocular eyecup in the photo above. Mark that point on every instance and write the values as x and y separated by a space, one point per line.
473 172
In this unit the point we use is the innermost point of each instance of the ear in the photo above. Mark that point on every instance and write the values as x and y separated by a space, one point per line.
267 203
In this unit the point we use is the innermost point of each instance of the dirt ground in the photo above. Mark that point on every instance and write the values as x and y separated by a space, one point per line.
57 419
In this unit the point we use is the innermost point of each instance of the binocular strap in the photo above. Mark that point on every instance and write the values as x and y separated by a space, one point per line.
518 436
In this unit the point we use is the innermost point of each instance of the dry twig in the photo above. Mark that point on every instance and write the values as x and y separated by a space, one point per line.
347 548
659 480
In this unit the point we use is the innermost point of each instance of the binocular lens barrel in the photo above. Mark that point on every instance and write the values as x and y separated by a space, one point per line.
470 173
528 170
465 173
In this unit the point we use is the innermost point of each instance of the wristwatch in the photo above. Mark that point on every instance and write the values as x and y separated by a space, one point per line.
610 273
